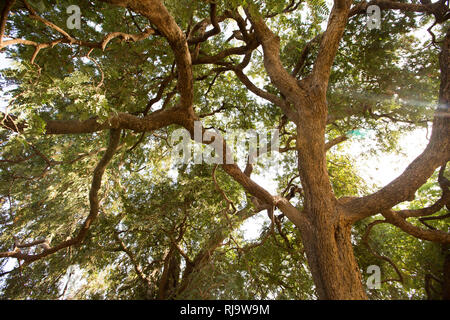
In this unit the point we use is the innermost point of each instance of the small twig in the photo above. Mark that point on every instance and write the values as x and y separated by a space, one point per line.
379 256
98 66
229 202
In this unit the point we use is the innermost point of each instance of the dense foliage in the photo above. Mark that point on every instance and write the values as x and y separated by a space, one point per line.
177 231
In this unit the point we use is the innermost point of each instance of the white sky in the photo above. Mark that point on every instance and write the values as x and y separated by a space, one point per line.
384 167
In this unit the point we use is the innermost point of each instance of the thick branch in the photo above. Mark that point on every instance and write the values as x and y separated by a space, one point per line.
159 16
5 12
329 44
330 144
214 31
430 235
153 121
280 77
252 187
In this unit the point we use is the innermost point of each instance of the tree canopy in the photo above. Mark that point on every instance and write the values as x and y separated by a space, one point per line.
92 205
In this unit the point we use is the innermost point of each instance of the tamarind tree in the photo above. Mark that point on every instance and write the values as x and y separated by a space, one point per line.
86 191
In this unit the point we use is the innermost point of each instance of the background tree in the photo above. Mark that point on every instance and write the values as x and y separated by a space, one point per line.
86 191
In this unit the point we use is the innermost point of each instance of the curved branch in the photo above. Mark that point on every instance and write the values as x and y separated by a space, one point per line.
158 15
5 12
280 77
242 50
417 173
445 216
365 239
249 185
214 21
330 144
67 38
137 268
430 235
153 121
93 212
290 113
303 56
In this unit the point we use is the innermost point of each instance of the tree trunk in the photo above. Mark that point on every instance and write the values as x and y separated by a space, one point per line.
327 237
169 278
333 266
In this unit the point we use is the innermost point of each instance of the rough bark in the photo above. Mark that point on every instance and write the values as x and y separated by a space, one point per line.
169 278
327 236
325 231
331 260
